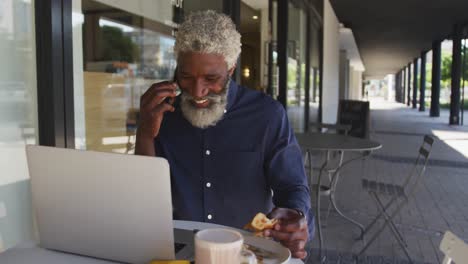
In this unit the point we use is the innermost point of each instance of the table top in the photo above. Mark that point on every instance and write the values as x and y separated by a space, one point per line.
327 141
30 253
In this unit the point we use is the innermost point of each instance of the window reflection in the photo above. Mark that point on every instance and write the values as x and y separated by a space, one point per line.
18 118
296 67
123 54
314 73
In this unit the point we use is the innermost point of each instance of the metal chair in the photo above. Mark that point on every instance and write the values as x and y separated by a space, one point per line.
397 196
454 248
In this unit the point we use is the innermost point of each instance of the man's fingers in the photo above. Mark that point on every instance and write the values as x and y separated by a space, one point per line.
158 99
156 86
285 236
295 245
302 254
155 89
291 226
162 108
161 85
274 214
293 241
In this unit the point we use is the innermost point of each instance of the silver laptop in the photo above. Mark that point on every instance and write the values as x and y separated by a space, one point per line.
109 206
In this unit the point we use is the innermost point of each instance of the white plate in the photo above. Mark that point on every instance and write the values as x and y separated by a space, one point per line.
281 254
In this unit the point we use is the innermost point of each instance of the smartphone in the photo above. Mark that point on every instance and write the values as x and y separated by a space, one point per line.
178 90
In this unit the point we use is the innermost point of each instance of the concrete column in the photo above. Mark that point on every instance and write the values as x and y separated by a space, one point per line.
315 85
307 72
408 101
436 74
456 76
422 86
398 87
403 85
282 48
344 75
415 83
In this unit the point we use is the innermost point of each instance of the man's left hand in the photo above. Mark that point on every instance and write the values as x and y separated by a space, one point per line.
291 230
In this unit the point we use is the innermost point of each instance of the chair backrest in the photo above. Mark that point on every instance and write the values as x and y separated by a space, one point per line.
454 248
419 166
357 115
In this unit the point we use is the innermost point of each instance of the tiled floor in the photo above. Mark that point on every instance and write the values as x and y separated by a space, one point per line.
439 204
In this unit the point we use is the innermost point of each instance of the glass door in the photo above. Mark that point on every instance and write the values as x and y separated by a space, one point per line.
18 118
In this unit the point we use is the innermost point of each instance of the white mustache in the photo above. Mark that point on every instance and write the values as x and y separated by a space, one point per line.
204 117
212 97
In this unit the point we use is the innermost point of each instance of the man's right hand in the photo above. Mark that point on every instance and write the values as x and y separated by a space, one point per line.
152 109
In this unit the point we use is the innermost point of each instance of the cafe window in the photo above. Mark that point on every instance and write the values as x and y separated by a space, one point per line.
120 49
296 67
18 118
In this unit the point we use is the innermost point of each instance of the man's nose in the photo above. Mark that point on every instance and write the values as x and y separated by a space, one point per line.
200 90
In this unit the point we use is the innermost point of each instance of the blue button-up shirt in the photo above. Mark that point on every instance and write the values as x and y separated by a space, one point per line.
248 162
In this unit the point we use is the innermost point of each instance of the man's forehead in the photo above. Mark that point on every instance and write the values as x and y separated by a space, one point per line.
202 61
192 55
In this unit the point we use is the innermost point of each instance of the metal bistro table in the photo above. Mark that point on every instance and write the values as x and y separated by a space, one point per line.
333 142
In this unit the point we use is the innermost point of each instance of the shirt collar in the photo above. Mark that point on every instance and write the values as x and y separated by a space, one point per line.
232 94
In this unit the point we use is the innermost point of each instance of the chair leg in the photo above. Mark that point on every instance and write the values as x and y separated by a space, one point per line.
379 215
317 210
328 213
388 220
369 227
376 234
330 180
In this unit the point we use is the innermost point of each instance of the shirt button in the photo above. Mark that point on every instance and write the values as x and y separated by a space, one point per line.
208 184
208 152
209 217
225 110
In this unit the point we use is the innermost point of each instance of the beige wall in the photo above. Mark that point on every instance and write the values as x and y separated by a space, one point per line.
331 64
344 75
355 84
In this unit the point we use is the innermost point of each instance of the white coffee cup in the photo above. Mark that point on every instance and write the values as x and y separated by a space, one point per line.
217 245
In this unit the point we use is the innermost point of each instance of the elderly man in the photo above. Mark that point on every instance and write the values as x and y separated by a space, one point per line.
231 150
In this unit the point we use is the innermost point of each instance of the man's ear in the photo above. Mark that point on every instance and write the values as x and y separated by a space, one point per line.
231 71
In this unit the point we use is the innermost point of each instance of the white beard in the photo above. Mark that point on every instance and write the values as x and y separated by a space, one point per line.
204 117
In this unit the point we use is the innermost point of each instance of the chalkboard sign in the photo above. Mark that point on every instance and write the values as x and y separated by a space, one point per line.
357 114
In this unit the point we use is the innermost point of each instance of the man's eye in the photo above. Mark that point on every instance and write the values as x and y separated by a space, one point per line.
211 79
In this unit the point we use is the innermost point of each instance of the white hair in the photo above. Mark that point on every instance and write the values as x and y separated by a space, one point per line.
209 32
